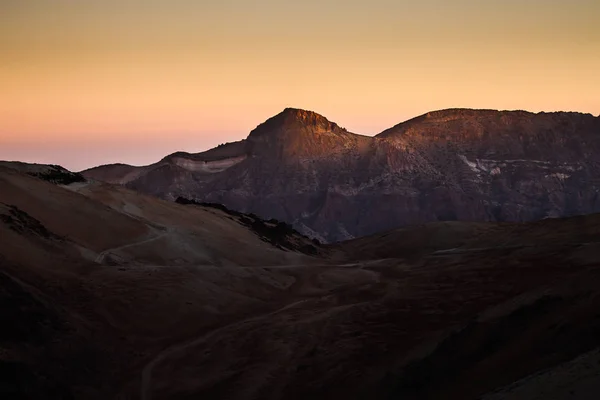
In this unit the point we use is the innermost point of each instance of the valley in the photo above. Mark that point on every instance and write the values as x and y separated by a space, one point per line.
124 295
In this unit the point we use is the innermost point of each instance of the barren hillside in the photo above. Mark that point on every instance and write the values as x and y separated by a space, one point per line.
107 293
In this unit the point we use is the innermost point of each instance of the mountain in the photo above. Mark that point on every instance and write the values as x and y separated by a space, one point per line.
108 293
93 276
457 164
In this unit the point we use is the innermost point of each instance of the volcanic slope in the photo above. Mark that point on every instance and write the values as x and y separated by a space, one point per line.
107 293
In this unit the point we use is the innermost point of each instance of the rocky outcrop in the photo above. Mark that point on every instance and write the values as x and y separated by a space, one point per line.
458 164
279 234
51 173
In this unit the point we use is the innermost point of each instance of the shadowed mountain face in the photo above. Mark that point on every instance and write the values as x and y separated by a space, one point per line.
106 293
469 165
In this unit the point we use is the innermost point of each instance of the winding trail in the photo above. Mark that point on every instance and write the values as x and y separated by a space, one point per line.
100 258
145 392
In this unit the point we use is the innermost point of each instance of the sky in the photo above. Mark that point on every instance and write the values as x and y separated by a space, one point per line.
85 83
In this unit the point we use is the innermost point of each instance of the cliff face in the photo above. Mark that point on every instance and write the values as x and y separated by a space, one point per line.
473 165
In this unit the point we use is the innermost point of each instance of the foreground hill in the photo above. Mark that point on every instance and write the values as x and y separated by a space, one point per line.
467 165
107 293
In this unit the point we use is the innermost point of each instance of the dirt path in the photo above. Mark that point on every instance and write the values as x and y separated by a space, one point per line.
145 389
100 258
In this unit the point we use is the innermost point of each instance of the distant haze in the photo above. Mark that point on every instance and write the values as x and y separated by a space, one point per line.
93 82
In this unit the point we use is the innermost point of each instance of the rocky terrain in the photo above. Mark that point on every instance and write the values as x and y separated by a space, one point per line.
50 173
457 164
107 293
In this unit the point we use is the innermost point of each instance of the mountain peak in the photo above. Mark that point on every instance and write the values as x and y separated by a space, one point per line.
299 112
466 121
294 120
290 116
295 132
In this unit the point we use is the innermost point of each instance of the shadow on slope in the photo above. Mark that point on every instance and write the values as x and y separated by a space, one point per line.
277 233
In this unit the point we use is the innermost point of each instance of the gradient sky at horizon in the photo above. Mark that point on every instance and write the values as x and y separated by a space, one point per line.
99 81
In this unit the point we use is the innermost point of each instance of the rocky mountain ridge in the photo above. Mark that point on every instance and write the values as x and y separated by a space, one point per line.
331 184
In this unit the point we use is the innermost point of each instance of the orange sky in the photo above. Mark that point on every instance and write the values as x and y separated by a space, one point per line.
92 82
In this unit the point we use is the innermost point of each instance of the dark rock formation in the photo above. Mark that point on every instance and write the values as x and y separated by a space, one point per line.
458 164
277 233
